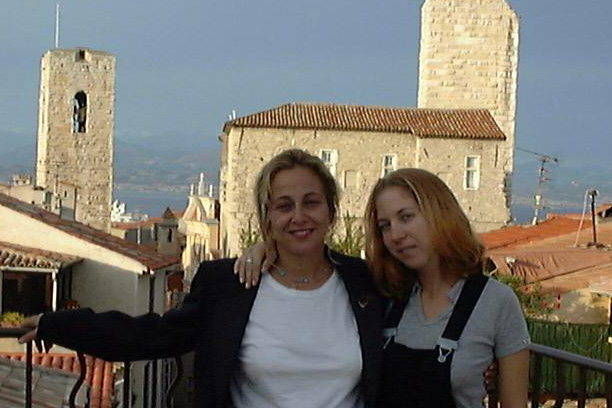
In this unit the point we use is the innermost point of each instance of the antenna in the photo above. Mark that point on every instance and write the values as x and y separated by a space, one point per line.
537 198
57 25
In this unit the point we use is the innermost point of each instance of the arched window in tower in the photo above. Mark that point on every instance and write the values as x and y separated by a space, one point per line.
79 113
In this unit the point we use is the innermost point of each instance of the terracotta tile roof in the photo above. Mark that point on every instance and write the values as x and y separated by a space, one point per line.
513 236
172 213
100 376
557 270
23 257
602 210
177 213
434 123
150 259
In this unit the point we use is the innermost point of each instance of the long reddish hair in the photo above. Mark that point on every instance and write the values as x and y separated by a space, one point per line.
459 250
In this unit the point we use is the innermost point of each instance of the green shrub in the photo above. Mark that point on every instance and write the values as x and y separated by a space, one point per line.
534 302
12 319
249 235
350 240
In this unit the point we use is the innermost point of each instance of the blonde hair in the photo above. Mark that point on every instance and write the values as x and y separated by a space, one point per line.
285 160
459 250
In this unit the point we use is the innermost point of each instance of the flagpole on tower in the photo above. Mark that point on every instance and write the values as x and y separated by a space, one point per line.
56 25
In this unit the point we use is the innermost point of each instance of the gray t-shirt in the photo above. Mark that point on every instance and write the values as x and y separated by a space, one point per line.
496 329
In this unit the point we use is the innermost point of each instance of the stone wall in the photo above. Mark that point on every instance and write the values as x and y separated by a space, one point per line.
64 156
486 206
359 166
469 59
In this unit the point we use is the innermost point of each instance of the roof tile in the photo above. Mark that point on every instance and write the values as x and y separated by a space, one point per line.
517 235
150 259
23 257
425 123
100 375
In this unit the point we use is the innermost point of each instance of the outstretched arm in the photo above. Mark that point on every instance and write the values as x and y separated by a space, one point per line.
116 336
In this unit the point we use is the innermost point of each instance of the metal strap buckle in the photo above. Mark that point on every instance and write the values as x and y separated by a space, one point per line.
445 348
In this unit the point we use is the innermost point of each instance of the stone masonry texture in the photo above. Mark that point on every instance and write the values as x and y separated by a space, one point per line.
67 157
359 166
469 59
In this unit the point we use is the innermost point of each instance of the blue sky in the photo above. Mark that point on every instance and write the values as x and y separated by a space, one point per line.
183 66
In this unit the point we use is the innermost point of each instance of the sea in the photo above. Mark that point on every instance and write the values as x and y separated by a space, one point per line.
154 203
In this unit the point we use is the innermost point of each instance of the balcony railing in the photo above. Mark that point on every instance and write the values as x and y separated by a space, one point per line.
563 360
126 403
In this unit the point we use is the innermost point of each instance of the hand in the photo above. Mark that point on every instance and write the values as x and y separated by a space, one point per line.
31 323
491 377
254 261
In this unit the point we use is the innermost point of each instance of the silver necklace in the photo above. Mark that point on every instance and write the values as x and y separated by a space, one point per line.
301 280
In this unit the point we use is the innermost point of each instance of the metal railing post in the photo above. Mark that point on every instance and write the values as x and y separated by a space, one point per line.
127 398
28 388
79 382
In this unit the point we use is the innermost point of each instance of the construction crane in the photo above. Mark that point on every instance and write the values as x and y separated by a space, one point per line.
542 179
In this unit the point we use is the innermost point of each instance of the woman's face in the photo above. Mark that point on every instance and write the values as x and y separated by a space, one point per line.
297 212
404 229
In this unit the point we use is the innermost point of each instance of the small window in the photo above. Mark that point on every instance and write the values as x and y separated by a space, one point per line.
79 113
330 158
472 173
389 164
80 55
352 179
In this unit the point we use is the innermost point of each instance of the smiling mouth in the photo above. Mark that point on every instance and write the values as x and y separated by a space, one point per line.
405 250
302 233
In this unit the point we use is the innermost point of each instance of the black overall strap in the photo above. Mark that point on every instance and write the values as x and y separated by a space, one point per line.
462 311
393 314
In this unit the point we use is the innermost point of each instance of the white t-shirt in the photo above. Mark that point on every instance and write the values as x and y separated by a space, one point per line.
300 349
496 328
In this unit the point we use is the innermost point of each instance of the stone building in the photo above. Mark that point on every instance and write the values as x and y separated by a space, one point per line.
200 225
75 131
360 144
462 130
469 60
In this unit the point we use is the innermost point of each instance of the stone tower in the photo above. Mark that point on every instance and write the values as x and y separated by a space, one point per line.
76 116
469 59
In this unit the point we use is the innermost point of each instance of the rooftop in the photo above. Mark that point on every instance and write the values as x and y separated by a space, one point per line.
99 377
518 235
150 259
425 123
12 255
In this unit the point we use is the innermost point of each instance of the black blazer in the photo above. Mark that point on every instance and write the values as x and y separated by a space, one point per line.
212 322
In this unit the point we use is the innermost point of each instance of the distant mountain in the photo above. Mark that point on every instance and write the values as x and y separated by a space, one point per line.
565 186
17 154
161 162
155 163
152 167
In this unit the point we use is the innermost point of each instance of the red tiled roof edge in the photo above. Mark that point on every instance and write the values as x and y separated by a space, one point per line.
425 123
100 375
150 259
516 234
13 255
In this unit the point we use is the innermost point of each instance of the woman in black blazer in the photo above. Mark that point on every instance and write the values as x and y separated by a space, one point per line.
307 336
